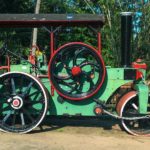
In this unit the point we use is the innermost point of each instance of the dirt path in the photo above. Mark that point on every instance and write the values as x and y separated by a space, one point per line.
74 138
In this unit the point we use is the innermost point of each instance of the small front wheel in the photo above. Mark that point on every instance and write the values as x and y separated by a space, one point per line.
128 107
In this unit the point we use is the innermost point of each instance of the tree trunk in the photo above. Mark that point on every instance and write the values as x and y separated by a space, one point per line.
35 30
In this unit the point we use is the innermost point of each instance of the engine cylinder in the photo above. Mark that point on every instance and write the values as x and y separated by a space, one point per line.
126 30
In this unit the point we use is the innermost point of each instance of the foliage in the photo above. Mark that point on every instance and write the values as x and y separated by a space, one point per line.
143 38
16 6
110 33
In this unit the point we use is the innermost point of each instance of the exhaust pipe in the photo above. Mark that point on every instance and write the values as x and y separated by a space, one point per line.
126 29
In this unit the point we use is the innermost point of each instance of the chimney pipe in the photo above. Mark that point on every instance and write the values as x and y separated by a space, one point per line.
126 29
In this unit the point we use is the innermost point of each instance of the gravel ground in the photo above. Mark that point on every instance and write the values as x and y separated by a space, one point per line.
86 134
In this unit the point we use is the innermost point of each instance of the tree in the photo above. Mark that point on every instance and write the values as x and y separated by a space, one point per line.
35 30
110 32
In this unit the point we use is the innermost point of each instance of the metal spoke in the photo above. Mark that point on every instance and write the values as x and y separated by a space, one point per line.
5 109
28 114
89 79
81 86
61 77
35 111
7 116
21 83
41 100
62 61
71 86
66 54
36 92
75 89
67 68
13 86
87 75
134 106
65 83
27 89
14 118
76 55
62 64
28 99
84 61
65 65
22 119
88 63
37 102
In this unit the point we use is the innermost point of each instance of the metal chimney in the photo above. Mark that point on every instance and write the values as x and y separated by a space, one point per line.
126 29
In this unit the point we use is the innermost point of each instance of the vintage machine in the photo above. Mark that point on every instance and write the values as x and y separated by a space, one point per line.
75 81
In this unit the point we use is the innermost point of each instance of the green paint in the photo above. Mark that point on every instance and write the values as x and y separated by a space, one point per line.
143 93
23 67
113 80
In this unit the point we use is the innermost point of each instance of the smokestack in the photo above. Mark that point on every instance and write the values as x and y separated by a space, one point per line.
126 29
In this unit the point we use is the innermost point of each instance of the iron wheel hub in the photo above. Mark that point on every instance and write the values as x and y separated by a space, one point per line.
76 70
17 102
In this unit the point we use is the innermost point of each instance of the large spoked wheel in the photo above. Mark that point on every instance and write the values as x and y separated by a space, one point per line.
23 102
76 71
128 107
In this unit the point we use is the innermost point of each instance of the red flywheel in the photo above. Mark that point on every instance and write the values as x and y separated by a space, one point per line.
76 71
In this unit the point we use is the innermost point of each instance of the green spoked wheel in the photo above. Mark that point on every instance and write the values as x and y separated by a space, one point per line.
23 102
76 71
128 107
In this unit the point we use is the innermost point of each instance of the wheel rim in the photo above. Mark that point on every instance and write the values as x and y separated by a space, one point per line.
128 107
76 71
23 102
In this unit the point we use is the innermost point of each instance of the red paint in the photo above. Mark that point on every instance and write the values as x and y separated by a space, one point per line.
124 99
98 111
52 53
32 59
99 42
139 75
8 65
103 67
52 43
4 67
16 103
139 65
76 71
52 91
32 56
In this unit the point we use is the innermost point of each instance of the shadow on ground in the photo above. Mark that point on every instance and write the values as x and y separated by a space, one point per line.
56 122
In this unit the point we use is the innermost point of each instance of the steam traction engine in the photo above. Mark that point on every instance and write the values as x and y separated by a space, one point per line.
75 81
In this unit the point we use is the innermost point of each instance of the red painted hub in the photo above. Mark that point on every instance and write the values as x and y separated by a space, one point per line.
16 103
76 71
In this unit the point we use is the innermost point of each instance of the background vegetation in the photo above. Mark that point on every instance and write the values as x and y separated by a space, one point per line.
19 40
